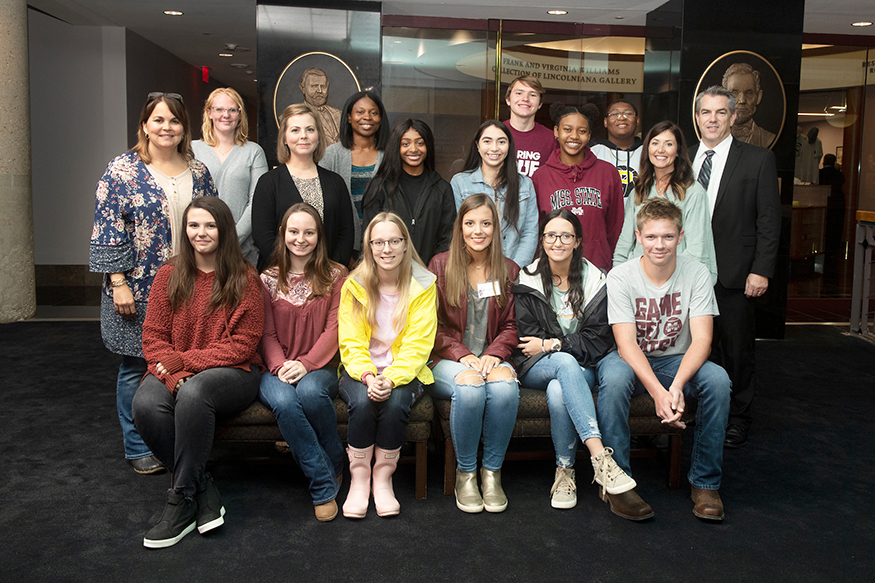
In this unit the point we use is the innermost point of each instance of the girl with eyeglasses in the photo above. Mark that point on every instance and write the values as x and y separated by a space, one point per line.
302 293
491 168
666 172
142 193
235 163
562 320
407 185
300 145
386 327
575 179
364 131
202 328
476 335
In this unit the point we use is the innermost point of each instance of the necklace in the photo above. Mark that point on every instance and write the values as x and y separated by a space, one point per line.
225 153
561 280
662 188
480 266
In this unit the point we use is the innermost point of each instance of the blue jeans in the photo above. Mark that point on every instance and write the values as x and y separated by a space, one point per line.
305 415
488 407
179 428
710 386
130 373
569 397
371 423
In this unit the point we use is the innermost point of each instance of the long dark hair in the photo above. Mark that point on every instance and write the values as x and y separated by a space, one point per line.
681 176
232 270
509 178
575 270
388 176
319 267
382 135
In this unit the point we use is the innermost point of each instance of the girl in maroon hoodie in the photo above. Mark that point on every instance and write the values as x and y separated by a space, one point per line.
575 179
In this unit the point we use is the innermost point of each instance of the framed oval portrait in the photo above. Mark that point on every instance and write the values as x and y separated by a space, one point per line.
761 103
321 80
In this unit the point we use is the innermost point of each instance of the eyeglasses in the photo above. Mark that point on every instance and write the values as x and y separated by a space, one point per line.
157 94
624 114
228 110
566 238
380 243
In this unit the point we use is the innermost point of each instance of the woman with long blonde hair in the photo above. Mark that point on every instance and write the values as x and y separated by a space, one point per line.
235 163
386 327
476 335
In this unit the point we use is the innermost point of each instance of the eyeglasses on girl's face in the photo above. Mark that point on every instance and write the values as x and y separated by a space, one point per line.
381 243
566 238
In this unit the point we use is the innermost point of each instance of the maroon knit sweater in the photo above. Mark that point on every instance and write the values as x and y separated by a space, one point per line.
193 339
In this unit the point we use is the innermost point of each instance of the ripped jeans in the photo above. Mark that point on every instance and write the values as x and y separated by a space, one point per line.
569 397
488 408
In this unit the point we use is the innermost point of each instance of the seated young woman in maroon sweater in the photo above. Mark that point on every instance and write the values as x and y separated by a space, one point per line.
299 346
202 328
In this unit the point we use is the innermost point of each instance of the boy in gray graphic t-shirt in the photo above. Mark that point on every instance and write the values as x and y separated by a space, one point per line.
661 308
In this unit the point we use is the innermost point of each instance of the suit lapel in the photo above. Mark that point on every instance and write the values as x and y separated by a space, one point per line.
731 162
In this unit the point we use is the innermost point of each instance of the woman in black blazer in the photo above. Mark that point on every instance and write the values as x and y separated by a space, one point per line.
300 145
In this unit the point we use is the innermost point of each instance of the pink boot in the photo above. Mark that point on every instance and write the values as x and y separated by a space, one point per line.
356 505
385 462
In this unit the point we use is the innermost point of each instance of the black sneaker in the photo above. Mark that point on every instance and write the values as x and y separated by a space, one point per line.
210 512
177 520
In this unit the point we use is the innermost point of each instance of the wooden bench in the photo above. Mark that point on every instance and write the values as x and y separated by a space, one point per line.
258 424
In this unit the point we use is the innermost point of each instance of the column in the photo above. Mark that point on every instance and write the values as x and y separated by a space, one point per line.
17 292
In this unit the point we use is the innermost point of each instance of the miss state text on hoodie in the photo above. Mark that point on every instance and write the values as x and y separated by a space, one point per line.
593 192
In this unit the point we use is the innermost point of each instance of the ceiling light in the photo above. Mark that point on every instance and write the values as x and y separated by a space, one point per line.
225 55
863 23
178 13
239 65
619 17
821 114
557 12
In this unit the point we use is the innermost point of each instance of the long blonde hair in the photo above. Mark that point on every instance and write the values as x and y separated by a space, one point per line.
366 272
240 134
459 259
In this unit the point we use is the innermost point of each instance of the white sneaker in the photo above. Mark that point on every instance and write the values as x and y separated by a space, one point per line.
563 494
608 474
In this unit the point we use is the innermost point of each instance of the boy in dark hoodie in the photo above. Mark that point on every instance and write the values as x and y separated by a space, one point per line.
622 149
573 178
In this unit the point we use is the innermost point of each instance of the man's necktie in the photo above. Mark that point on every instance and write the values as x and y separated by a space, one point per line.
705 170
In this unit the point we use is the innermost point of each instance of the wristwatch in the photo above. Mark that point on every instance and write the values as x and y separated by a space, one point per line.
557 345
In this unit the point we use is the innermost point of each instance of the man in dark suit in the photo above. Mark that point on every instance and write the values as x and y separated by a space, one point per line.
742 185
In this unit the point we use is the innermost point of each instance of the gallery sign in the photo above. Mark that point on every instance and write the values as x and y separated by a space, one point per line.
594 72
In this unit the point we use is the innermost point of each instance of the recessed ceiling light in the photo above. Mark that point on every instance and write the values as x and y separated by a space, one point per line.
557 12
225 55
173 13
863 23
619 17
239 65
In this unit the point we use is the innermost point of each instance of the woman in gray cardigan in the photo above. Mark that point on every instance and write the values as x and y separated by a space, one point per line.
234 163
364 131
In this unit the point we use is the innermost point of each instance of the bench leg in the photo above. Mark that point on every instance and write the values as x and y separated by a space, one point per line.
674 472
449 466
421 469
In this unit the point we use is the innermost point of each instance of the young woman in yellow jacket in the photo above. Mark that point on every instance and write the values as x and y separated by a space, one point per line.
386 325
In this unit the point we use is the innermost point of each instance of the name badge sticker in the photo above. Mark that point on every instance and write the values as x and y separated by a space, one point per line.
488 289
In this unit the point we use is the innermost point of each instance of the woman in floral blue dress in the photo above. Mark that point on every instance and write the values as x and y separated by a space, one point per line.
138 214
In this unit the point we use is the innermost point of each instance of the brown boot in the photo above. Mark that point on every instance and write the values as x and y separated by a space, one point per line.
708 504
629 505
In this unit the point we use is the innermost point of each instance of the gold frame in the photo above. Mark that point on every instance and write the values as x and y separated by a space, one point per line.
295 60
699 88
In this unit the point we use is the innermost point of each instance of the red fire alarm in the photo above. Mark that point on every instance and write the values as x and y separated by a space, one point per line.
205 71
